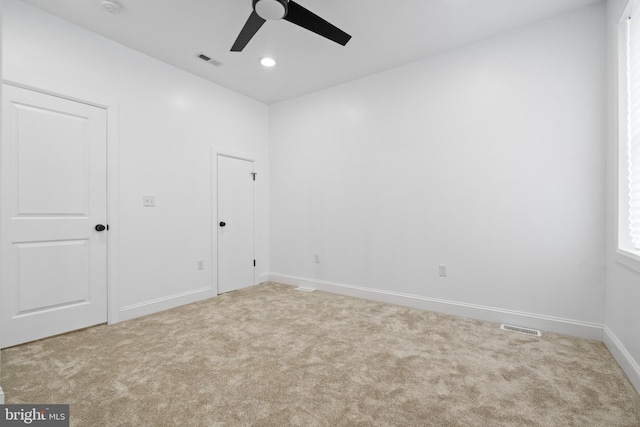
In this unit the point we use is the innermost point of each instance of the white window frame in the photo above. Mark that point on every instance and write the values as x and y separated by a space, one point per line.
626 253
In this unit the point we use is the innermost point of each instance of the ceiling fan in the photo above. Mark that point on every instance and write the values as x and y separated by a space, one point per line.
291 11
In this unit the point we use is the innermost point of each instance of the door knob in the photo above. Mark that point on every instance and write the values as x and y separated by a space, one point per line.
100 227
222 223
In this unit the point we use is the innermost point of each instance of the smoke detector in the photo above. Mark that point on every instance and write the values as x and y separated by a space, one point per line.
110 6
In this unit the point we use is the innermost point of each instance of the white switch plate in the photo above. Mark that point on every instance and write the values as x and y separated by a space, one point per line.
148 200
200 264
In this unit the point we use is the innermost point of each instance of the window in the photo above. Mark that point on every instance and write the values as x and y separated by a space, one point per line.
629 150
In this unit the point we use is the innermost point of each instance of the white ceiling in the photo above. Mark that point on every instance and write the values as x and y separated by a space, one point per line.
385 34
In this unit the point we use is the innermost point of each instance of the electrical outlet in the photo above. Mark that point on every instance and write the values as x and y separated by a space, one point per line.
200 264
148 201
317 258
442 270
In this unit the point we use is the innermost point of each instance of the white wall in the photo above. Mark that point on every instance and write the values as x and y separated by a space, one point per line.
168 120
488 158
622 330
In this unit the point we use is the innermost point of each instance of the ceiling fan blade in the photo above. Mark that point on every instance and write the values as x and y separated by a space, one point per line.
306 19
251 27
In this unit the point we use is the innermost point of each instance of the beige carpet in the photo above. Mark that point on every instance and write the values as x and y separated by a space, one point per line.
273 356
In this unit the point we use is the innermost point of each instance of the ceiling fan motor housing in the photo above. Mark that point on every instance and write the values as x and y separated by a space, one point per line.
271 9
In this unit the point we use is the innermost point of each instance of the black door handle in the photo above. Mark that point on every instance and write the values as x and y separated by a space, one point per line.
100 227
222 223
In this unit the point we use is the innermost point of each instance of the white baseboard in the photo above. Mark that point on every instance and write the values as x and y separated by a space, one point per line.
623 357
557 325
166 303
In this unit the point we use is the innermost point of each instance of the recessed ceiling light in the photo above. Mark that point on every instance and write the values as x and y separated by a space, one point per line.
267 61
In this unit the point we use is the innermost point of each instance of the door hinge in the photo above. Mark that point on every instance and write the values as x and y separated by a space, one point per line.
254 175
254 262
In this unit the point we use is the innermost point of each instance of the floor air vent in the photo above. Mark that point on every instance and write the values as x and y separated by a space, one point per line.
521 330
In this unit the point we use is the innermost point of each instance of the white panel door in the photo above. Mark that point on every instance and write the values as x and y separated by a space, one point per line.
235 224
53 184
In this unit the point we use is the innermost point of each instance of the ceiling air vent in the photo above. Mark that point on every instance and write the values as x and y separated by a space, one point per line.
521 330
208 59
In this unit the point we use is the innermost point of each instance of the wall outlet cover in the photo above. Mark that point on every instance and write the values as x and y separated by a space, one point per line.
148 200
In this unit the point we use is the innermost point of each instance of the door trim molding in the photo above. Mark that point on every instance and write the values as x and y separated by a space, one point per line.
235 154
111 108
1 392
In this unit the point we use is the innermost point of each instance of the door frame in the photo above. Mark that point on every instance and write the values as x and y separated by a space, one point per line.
215 152
113 187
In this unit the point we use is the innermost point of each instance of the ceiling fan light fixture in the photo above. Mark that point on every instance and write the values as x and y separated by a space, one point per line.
292 12
271 10
267 61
